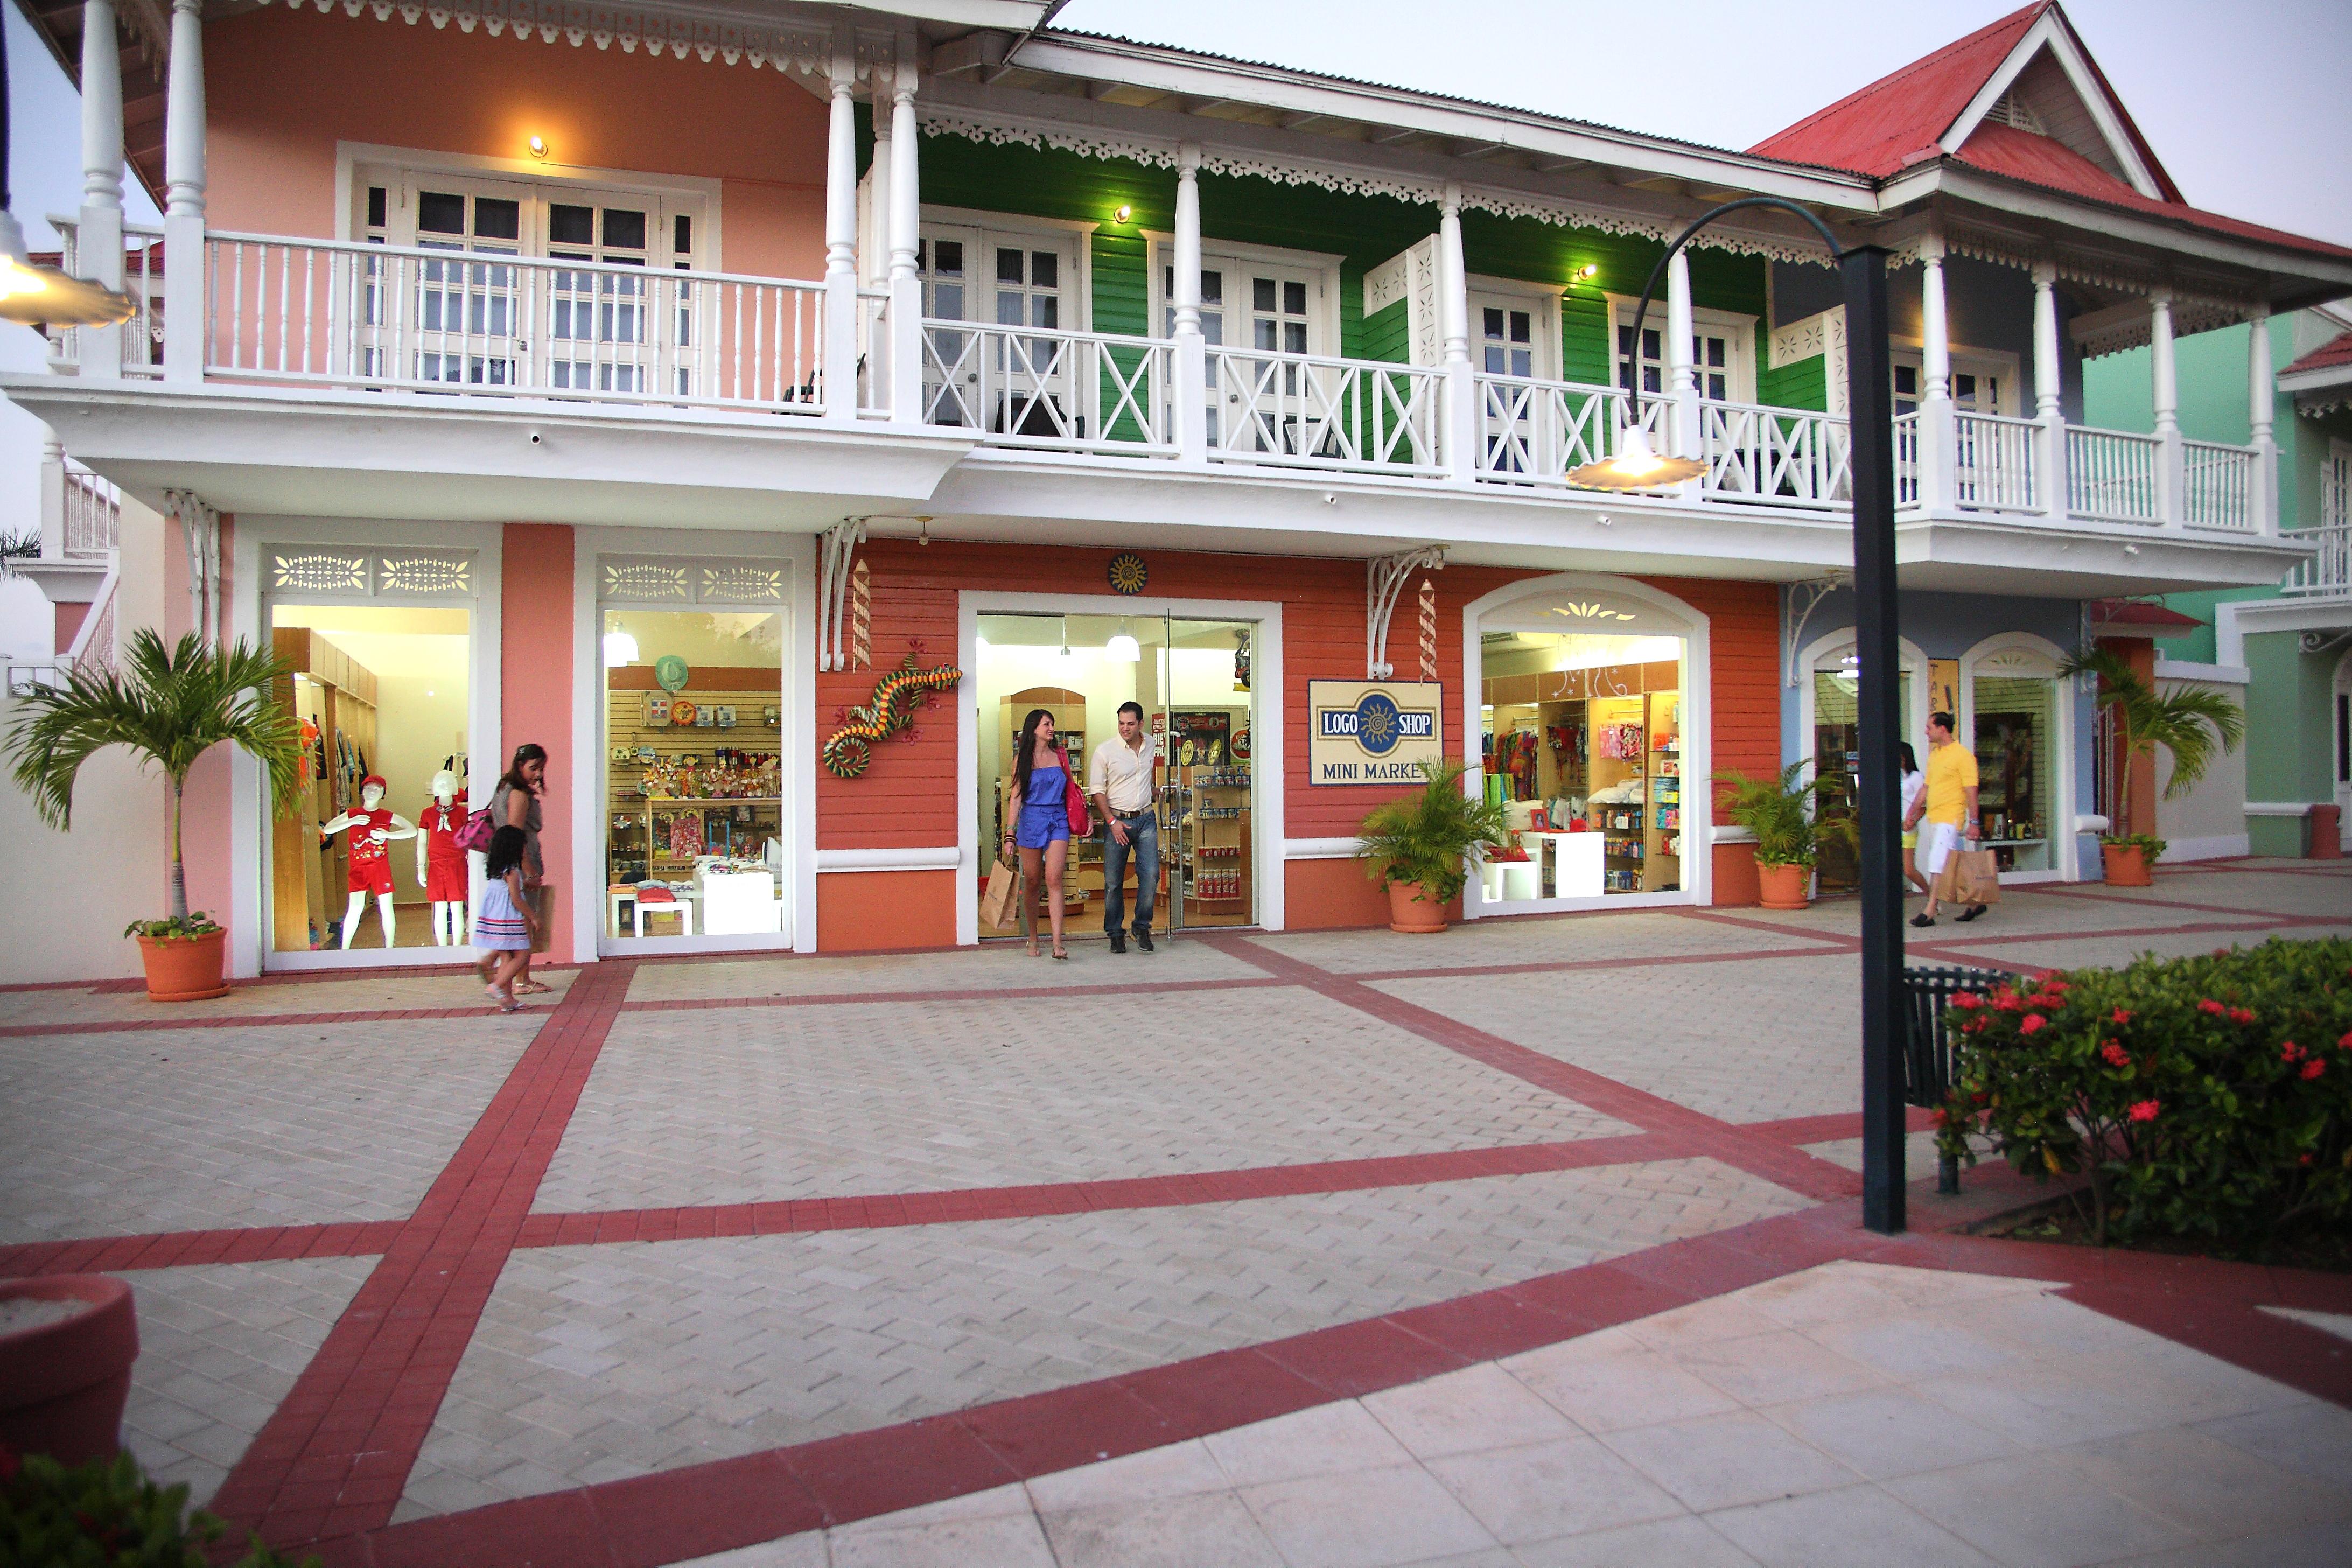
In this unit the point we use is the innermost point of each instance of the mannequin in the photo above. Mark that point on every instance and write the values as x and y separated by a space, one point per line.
370 827
440 864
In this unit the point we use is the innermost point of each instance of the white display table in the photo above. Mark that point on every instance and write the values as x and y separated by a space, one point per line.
1575 859
735 903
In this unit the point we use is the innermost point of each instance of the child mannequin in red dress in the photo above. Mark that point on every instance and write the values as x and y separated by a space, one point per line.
370 827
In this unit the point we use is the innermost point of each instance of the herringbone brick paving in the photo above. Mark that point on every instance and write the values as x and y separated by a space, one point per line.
684 1107
997 967
1575 938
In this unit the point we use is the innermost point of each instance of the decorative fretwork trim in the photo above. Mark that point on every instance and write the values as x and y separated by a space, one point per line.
341 573
1385 579
808 51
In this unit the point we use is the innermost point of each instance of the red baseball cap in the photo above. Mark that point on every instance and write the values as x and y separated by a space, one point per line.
375 779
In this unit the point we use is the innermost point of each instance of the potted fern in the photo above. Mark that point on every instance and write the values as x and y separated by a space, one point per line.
1779 811
1419 848
2186 722
168 707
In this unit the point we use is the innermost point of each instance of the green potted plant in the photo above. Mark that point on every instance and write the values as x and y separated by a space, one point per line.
2188 722
106 1513
1419 848
1779 812
169 707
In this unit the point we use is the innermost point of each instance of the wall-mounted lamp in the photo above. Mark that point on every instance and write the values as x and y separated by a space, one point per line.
1125 214
538 145
1587 273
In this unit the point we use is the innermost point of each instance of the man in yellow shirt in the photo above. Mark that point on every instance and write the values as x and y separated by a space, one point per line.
1948 807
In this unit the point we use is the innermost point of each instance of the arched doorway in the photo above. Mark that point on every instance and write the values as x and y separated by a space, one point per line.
1585 709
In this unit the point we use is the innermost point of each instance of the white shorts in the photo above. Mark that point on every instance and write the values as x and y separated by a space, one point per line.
1937 842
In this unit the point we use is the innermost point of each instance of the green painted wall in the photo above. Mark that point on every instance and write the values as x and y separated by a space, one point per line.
2287 719
1801 384
2209 369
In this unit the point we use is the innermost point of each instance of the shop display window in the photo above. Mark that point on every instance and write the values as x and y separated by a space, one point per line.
1837 763
1192 679
367 859
1582 738
2013 737
693 775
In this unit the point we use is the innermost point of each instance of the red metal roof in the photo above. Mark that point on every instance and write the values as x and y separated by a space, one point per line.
2039 160
2336 351
2137 616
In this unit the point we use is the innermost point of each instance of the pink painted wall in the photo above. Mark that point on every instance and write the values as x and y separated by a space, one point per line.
69 617
535 694
283 86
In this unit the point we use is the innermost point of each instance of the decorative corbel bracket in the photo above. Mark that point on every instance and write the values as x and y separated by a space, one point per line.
200 534
839 549
1804 598
1385 580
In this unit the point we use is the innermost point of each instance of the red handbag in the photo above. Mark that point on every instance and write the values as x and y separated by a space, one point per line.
1074 799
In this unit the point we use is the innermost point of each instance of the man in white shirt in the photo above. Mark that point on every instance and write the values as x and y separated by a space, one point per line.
1120 779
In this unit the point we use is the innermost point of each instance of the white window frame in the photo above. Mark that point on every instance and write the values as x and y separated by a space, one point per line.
1966 361
2046 659
1740 329
1077 295
1323 312
1544 303
359 165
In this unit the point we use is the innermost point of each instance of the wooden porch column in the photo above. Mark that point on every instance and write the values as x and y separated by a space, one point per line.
98 245
1188 405
2171 460
185 327
1938 421
840 234
1680 432
905 228
1461 419
2261 398
2053 489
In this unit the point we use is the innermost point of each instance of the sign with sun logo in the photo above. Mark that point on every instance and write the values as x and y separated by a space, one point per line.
1128 572
1373 731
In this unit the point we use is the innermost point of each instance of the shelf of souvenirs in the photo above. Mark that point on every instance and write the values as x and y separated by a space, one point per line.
730 775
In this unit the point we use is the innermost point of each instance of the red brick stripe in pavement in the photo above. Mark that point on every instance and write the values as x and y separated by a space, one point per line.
335 1455
232 1021
1699 1134
179 1248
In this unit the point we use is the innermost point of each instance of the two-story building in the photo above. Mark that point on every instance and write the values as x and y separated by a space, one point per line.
651 385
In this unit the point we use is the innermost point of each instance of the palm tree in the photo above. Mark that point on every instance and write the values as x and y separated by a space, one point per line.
2185 721
169 707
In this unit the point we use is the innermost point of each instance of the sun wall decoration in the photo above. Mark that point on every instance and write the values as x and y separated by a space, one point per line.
849 751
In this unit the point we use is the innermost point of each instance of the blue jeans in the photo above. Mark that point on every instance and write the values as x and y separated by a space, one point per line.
1143 842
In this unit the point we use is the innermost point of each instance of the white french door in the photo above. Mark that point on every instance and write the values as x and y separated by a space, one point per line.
1213 276
467 313
1506 338
1007 382
1716 361
1271 401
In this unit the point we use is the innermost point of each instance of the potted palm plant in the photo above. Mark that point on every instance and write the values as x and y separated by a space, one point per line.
168 707
1419 848
1779 811
2186 722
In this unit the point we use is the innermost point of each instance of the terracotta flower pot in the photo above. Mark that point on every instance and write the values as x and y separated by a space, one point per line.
1413 909
2126 865
1785 887
183 968
63 1382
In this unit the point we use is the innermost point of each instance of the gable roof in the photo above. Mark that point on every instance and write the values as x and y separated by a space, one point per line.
2336 352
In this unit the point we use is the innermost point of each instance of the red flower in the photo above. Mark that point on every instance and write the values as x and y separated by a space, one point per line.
2045 999
1936 1118
2313 1068
2210 1006
2122 1017
2346 1043
2114 1052
2291 1052
2030 1023
1969 1001
2145 1110
2242 1015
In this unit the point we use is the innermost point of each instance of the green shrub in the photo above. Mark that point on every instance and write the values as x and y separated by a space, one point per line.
1429 836
104 1514
2206 1097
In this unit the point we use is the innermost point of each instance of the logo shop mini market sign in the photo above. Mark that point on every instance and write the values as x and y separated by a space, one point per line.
1372 732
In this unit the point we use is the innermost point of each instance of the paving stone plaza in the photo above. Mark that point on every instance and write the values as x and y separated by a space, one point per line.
1535 1243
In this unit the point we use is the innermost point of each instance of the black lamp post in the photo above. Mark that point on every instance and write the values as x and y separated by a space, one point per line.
1870 424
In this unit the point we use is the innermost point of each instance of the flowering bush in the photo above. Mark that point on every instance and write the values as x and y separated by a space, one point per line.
106 1514
2204 1097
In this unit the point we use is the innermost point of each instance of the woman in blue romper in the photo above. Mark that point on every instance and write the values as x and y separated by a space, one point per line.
1041 774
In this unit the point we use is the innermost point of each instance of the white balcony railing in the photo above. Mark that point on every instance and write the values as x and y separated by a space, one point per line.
1303 410
1906 459
293 311
1777 456
2111 475
143 279
1993 467
1536 432
1086 392
2219 482
93 512
2329 570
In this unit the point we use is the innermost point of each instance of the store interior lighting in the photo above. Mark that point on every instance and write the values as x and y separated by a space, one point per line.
620 648
1123 647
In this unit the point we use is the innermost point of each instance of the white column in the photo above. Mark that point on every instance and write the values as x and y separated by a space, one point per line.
1191 397
2052 490
906 229
185 327
98 244
1938 423
1681 435
1461 448
2262 400
841 235
2171 460
53 496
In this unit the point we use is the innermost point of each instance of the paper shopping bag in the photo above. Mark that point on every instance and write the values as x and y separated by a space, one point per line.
542 899
998 905
1970 877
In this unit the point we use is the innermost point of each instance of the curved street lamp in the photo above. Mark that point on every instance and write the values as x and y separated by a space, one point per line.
43 296
1871 442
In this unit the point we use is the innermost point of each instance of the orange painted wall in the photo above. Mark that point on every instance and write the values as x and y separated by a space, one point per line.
907 798
2140 654
535 696
204 804
871 911
283 86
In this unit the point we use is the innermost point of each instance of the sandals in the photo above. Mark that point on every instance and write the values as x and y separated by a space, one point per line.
1059 953
531 988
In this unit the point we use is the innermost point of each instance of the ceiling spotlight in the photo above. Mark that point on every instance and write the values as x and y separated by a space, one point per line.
1587 273
1123 647
538 145
1123 214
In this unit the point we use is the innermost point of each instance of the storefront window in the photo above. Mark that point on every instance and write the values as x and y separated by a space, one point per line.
367 859
1583 748
1192 679
693 779
1837 763
2013 747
